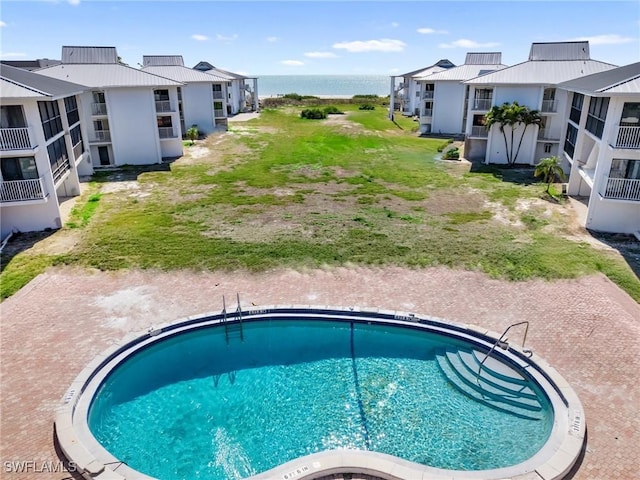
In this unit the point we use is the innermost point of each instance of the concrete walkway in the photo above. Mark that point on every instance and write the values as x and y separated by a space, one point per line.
588 329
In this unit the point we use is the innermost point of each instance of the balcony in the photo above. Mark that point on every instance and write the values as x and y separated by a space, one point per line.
15 139
427 112
163 106
21 190
59 169
549 106
78 150
166 132
428 94
482 103
627 137
479 131
218 113
101 136
98 109
622 189
547 135
218 95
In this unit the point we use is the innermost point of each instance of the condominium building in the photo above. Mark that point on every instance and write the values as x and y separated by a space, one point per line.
134 114
242 96
42 145
203 97
602 145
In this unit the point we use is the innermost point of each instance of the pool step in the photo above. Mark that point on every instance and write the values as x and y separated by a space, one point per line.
461 378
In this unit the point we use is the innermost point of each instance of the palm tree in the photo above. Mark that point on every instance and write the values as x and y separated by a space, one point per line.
549 168
496 116
527 117
512 115
192 133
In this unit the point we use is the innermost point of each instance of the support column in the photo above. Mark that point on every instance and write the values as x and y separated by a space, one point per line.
391 97
256 103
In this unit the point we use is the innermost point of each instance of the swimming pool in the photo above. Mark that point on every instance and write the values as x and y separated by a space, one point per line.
289 388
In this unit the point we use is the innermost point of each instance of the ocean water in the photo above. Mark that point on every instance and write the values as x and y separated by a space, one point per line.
338 86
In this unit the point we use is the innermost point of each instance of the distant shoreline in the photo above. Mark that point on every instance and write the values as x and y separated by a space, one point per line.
263 97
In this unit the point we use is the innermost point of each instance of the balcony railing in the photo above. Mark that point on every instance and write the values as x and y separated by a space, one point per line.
60 169
622 189
163 106
21 190
78 150
166 132
427 112
218 113
15 139
479 131
628 137
546 134
98 109
427 94
218 95
549 106
102 136
482 103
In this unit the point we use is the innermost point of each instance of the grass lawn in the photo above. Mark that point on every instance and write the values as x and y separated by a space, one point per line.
281 191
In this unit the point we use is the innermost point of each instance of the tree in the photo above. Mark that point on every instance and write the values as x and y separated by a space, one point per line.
549 168
192 133
510 116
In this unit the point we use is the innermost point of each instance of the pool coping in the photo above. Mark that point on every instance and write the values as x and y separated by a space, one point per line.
553 461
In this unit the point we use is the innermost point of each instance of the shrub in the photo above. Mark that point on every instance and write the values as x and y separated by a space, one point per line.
452 154
366 106
444 145
313 114
332 109
292 96
366 97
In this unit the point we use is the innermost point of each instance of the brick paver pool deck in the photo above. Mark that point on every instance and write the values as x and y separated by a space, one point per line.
588 329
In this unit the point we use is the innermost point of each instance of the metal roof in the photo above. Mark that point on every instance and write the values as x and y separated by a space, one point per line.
31 64
463 72
483 58
559 51
184 74
207 67
89 55
204 66
162 60
541 72
625 79
104 76
39 85
441 64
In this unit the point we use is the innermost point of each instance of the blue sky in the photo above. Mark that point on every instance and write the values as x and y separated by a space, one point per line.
329 37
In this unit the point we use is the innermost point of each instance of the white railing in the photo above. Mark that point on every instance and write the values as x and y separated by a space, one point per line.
549 106
98 109
15 139
218 113
545 134
482 103
622 189
21 190
479 131
78 150
627 137
102 136
59 171
427 94
163 105
427 112
166 132
218 95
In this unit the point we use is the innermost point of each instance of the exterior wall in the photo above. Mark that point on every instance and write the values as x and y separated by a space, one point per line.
475 149
197 104
411 99
614 216
133 125
448 107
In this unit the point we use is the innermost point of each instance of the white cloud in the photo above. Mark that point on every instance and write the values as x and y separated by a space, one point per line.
465 43
610 39
2 24
12 55
224 38
292 63
429 31
394 70
382 45
200 38
395 24
74 2
272 39
320 55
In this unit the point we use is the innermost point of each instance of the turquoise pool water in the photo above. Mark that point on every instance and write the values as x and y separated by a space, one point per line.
197 406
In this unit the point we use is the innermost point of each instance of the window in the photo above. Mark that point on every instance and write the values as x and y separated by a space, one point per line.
164 122
98 97
484 94
217 87
630 115
547 148
50 116
161 95
71 106
76 141
570 140
57 154
576 108
625 168
598 107
12 117
19 168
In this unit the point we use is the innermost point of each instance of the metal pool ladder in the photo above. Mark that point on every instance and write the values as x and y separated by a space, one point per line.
230 326
505 345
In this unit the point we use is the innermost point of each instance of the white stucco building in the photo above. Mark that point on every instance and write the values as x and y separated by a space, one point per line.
202 99
602 145
242 96
134 114
41 147
444 99
533 84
